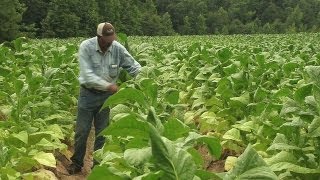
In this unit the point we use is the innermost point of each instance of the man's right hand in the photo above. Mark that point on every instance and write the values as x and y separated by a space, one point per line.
113 88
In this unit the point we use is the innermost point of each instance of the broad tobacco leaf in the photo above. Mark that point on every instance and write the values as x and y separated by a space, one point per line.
126 95
176 163
46 159
250 166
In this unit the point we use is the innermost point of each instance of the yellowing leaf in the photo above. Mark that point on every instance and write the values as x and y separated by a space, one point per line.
230 163
46 159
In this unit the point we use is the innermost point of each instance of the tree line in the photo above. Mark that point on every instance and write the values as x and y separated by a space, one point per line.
74 18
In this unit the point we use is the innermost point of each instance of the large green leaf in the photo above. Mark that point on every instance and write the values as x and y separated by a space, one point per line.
212 143
37 136
22 136
172 96
214 101
206 175
196 156
314 73
57 131
174 161
9 173
126 95
242 100
224 54
233 134
137 157
289 67
18 85
231 69
25 164
282 156
119 109
128 126
290 106
40 174
316 95
284 92
150 89
104 172
174 129
302 92
250 166
260 94
150 176
248 126
280 142
314 128
46 159
225 88
293 168
4 71
154 119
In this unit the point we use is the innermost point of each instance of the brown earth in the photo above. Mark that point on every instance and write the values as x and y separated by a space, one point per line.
212 164
63 161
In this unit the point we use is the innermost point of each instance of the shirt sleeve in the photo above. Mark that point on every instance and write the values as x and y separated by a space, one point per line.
129 63
89 78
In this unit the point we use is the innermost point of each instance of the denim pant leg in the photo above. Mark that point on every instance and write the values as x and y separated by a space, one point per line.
89 105
83 127
101 121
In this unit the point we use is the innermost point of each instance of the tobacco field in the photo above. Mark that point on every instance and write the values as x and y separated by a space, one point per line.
251 102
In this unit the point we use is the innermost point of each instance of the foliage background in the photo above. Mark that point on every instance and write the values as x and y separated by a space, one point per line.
74 18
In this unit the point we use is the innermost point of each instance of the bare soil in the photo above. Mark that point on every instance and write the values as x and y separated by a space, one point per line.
212 164
63 161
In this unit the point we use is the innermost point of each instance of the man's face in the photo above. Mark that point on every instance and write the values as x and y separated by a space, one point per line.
108 35
106 41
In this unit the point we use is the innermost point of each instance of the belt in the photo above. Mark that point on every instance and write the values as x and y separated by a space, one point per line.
93 90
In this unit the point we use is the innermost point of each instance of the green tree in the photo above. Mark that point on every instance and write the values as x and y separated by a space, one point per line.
150 22
186 28
130 18
10 17
218 21
236 27
200 25
267 28
294 20
251 27
109 11
36 12
278 26
87 11
310 9
271 13
61 20
64 20
166 28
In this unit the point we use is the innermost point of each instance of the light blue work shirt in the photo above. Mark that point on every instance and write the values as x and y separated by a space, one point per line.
99 70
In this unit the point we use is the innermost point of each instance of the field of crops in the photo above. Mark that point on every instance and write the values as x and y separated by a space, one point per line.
248 102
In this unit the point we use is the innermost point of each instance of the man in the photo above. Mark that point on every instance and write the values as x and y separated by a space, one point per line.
100 59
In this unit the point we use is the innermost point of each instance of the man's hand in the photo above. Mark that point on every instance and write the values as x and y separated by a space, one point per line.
113 88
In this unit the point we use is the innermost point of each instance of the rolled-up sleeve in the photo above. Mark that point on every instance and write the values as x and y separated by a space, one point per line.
87 76
129 63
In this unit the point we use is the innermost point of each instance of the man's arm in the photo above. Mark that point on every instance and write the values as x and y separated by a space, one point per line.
129 63
87 76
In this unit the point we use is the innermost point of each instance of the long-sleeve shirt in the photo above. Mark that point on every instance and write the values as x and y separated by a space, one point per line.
99 70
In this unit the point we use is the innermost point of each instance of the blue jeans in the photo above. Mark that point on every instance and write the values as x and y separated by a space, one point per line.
89 104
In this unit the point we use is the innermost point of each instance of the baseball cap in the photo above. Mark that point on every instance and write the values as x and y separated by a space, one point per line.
105 29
